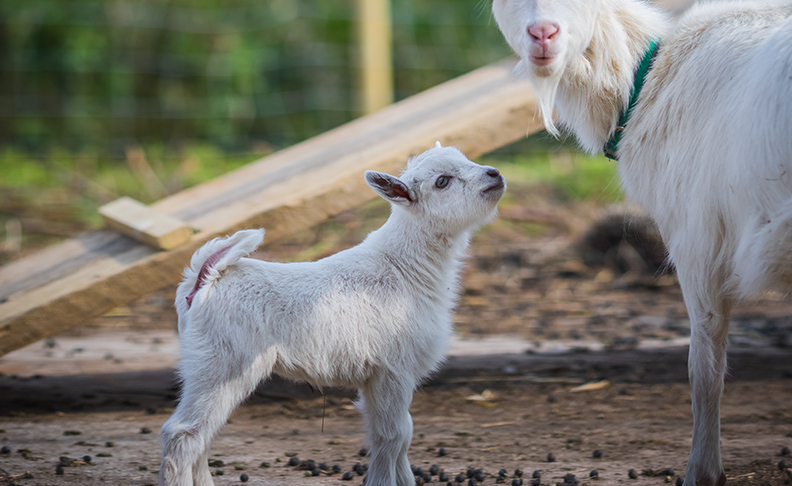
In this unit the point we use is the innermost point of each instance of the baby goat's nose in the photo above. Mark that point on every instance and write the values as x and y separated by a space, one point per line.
493 172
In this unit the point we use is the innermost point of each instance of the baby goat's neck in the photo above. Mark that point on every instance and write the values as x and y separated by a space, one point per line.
426 254
596 85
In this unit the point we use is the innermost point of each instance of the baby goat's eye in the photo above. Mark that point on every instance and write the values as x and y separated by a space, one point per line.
442 181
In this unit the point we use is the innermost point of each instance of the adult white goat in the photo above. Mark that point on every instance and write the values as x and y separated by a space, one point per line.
376 317
705 147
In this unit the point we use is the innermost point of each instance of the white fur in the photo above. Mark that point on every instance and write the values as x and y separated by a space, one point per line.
376 317
707 151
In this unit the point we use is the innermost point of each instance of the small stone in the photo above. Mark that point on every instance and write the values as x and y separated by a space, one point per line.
460 478
142 467
536 482
594 474
632 474
216 463
315 472
363 452
145 430
551 457
570 478
219 472
109 444
597 454
72 432
785 451
443 477
87 458
537 474
516 482
294 461
679 481
59 470
783 465
348 476
265 464
5 450
434 469
336 468
244 478
427 478
418 471
441 452
479 475
323 466
472 482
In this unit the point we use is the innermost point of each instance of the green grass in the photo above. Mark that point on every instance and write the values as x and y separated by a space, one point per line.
572 175
44 199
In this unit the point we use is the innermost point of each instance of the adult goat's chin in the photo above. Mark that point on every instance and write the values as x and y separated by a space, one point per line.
545 80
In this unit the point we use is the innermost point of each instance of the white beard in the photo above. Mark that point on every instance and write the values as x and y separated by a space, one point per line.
545 81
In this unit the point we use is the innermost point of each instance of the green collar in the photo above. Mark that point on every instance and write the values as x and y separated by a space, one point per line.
640 76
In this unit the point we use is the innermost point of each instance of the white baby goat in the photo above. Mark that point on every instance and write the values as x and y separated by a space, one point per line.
707 150
376 317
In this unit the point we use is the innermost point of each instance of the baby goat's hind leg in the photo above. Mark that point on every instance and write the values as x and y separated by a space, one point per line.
709 327
211 391
385 405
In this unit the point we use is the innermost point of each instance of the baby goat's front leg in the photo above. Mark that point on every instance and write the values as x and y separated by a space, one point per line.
385 405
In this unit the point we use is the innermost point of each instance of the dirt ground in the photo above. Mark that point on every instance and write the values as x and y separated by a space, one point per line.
552 356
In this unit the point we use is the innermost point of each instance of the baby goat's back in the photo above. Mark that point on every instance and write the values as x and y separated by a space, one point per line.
331 322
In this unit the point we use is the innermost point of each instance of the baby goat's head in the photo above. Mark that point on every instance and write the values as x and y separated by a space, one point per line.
443 188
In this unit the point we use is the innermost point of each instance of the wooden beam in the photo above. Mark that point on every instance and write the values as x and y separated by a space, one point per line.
295 188
137 220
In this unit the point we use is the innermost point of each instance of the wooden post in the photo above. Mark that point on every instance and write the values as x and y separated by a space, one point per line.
375 57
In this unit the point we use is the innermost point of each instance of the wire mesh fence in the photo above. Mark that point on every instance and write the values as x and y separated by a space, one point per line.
108 74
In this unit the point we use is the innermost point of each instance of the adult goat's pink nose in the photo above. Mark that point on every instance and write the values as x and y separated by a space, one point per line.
543 32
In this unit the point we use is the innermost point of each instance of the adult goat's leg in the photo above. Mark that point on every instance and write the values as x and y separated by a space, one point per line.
709 312
385 405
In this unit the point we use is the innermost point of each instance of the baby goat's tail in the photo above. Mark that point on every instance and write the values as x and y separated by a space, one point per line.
211 259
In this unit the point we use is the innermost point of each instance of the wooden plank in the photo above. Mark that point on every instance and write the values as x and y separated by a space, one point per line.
374 54
290 190
142 223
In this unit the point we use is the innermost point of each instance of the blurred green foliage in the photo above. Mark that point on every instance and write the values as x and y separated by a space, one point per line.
105 74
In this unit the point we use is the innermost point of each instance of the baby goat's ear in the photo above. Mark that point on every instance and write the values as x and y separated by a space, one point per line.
389 187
